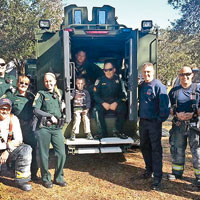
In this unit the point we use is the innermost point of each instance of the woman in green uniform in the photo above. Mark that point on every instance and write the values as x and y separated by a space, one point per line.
22 101
47 107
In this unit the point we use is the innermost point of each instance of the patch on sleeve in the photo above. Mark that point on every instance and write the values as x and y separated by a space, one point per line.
97 82
117 81
36 97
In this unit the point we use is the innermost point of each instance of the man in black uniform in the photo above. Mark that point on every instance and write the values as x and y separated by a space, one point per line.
109 97
153 110
87 70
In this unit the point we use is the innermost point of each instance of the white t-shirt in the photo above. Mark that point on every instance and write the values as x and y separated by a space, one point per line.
4 130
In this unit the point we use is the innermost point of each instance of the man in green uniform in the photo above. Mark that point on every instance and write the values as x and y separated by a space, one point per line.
22 101
6 81
47 107
110 98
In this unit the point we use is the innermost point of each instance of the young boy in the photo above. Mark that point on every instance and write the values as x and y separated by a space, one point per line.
81 106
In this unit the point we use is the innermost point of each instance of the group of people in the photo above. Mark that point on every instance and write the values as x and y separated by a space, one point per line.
31 121
20 111
154 108
102 88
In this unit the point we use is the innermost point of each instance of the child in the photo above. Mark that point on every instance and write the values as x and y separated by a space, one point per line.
81 106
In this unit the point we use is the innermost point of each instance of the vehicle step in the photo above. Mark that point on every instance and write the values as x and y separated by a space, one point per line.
87 150
110 150
116 140
103 141
81 141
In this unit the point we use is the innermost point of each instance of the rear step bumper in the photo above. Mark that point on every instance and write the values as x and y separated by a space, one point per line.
104 145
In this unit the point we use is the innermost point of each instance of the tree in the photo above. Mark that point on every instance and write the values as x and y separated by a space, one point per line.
190 20
18 22
174 52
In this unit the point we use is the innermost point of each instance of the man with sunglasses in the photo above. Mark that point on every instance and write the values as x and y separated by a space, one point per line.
110 98
185 103
7 82
13 152
22 101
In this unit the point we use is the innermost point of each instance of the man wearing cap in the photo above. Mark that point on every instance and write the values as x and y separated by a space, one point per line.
7 82
16 155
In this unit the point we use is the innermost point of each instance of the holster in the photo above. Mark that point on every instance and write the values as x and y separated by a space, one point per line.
45 121
61 122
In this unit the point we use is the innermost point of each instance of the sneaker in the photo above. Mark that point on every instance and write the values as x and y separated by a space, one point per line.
89 136
174 177
156 184
73 137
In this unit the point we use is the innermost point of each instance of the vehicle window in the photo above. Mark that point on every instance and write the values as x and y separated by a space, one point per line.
102 17
77 16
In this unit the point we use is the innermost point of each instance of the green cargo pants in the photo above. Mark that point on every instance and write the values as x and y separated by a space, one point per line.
45 136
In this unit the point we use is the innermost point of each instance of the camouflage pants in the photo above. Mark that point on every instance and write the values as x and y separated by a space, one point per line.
78 114
20 161
178 141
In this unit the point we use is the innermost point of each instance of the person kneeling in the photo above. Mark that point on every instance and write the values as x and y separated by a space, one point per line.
13 152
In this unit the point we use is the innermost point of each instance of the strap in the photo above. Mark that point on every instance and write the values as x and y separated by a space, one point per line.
10 133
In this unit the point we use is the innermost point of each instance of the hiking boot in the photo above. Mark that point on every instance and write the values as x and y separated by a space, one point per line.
156 184
47 184
73 137
89 136
147 174
197 183
61 184
174 177
25 186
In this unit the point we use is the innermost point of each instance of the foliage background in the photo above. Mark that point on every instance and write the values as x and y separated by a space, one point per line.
178 46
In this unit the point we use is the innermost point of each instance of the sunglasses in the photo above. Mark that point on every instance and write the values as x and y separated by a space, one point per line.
2 64
5 108
108 70
185 74
24 83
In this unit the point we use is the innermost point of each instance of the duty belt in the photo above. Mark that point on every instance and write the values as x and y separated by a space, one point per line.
179 122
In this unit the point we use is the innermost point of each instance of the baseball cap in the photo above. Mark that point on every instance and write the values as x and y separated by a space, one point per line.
5 101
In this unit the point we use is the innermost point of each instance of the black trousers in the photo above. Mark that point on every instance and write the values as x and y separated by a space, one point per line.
120 112
150 144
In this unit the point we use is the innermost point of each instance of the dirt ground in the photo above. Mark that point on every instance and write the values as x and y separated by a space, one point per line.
107 177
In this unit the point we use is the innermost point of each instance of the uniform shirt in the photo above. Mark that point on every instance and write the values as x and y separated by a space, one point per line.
11 79
4 86
21 105
81 99
4 130
48 102
185 98
89 71
153 101
108 90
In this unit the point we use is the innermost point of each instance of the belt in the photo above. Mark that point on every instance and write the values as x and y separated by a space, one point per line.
150 120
